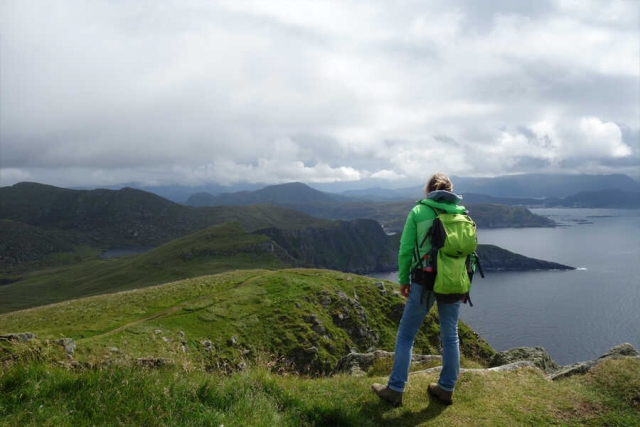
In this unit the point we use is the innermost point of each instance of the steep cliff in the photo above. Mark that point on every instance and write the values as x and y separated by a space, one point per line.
358 246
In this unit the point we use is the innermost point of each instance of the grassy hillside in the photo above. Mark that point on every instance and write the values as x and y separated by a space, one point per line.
226 348
301 319
213 250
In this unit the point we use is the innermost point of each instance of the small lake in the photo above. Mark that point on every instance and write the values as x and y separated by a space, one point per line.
575 315
123 251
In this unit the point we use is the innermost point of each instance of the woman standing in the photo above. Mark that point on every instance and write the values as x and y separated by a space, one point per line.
439 198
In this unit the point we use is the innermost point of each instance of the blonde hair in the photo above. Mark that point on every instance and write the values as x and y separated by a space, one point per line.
438 181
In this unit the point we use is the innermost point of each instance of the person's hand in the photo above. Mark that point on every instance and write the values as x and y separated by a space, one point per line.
404 290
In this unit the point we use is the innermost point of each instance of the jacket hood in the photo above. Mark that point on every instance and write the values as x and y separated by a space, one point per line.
444 200
444 196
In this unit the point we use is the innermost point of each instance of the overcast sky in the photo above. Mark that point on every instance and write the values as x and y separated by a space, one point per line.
195 92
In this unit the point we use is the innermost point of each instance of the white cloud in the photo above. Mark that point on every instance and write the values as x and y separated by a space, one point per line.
387 175
602 139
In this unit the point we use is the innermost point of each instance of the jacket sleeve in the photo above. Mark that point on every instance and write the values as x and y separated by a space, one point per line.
407 246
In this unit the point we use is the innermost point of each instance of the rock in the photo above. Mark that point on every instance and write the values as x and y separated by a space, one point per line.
312 318
208 345
624 349
618 352
573 369
20 337
504 368
319 329
69 345
302 358
537 355
381 288
359 363
342 296
154 362
395 312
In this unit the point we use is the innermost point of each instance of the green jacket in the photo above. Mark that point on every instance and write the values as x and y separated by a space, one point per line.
418 223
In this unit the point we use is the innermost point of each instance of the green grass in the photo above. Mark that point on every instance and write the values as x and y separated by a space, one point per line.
254 380
269 313
39 394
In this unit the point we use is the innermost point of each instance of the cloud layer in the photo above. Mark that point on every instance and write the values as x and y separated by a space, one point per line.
191 92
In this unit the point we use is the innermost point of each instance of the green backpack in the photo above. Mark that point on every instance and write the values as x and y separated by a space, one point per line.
448 267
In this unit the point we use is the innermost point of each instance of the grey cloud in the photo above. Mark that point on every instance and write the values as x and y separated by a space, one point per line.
528 164
196 91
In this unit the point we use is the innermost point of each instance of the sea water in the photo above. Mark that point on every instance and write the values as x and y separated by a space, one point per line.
575 315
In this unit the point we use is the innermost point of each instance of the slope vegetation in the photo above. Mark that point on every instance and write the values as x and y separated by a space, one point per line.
302 319
213 250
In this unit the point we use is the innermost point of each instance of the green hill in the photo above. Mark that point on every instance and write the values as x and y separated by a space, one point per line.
282 314
357 246
213 250
247 348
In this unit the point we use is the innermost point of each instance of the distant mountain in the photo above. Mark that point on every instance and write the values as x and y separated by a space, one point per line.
534 186
544 185
179 193
290 194
601 199
391 214
618 199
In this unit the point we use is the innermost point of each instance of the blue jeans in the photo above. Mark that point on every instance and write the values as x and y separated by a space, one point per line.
412 318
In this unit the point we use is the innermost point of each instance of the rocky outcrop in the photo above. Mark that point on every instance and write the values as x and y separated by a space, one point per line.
536 355
522 357
618 352
18 337
504 368
69 345
359 363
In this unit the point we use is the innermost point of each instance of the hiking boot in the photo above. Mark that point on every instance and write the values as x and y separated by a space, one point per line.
443 396
386 394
